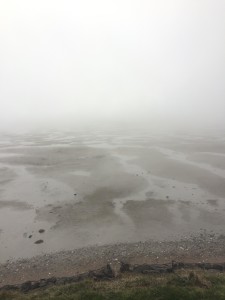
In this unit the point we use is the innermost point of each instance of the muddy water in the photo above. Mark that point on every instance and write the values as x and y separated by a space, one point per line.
69 190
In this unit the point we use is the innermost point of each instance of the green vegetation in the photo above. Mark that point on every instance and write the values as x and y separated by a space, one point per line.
184 285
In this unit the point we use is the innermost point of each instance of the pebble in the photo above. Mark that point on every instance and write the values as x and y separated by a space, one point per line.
39 242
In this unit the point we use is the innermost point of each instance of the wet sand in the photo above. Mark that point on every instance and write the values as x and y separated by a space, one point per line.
86 189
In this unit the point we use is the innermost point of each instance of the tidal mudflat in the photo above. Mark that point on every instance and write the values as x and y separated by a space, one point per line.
64 191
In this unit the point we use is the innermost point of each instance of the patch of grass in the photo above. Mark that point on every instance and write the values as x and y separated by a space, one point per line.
184 285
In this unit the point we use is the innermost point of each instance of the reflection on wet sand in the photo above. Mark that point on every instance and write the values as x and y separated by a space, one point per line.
85 189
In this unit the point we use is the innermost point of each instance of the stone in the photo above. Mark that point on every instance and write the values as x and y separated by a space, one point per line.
115 267
39 242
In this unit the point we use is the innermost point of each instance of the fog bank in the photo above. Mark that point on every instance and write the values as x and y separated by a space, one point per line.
140 63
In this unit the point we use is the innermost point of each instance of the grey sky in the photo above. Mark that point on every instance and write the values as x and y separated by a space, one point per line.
112 59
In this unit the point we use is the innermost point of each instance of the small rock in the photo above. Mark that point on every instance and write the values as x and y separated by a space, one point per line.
39 242
41 231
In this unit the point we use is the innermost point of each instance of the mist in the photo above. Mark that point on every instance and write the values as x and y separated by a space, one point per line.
112 144
145 63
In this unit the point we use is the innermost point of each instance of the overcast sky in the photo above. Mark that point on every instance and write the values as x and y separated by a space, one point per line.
105 60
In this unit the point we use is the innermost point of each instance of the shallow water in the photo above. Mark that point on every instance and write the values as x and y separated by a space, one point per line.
100 188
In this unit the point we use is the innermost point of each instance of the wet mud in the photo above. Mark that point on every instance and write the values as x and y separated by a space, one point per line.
77 189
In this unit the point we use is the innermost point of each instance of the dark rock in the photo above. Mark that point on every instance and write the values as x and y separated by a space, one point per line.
205 266
60 281
124 267
41 230
35 285
51 280
43 282
145 269
26 286
10 288
103 273
39 242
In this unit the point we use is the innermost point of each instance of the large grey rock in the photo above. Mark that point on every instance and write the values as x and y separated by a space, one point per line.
115 267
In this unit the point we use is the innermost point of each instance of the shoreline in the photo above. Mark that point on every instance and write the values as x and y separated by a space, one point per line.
203 249
115 270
